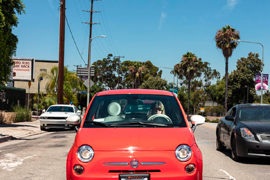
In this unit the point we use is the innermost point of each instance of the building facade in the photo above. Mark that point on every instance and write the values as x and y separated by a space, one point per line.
40 67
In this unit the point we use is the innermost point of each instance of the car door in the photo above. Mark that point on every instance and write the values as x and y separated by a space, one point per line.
228 126
223 126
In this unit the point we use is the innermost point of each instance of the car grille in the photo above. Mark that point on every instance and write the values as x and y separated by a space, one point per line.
133 171
265 137
259 151
55 118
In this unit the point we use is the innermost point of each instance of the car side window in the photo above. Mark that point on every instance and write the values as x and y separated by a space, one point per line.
229 112
233 112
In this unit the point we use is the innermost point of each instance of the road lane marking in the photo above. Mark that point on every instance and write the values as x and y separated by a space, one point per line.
231 178
12 161
208 127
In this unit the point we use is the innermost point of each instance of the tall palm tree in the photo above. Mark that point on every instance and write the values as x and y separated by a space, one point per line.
188 67
226 41
136 71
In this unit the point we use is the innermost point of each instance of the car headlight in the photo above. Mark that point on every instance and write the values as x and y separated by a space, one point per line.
183 152
85 153
245 133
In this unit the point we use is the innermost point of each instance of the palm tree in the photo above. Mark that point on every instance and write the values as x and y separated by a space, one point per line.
136 71
188 67
71 83
226 41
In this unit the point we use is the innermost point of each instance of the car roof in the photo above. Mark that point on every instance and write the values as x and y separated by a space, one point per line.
252 105
68 105
135 91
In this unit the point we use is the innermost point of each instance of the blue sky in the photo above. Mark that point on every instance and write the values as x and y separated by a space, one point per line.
157 30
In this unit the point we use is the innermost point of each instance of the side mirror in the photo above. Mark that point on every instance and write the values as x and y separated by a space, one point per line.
196 120
43 110
229 118
73 120
79 112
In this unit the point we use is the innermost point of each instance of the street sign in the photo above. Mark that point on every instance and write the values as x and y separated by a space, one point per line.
175 90
86 83
84 71
82 92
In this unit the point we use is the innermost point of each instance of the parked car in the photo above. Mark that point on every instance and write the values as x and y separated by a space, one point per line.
246 131
135 134
56 115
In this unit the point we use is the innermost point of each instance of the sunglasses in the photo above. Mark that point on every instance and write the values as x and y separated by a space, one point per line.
158 109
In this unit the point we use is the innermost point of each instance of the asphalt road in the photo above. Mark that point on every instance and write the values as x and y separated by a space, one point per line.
43 157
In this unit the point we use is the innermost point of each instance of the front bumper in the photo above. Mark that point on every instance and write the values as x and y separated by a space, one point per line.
104 165
54 123
251 148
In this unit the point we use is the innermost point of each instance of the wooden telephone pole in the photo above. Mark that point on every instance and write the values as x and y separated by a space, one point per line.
61 52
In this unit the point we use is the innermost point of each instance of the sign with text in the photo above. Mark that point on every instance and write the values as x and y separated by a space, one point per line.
23 69
258 82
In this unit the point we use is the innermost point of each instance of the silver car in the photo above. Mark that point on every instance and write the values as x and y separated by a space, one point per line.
56 115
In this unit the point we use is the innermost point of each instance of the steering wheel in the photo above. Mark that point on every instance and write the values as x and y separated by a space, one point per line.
151 118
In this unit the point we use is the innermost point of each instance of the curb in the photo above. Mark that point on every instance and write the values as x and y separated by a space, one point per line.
5 138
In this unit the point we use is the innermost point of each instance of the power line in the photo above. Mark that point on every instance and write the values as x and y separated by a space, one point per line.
74 40
110 36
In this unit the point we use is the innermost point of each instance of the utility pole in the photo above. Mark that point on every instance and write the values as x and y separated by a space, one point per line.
61 52
118 67
89 49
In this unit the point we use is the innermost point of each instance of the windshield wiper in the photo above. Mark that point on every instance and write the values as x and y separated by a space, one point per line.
139 123
96 123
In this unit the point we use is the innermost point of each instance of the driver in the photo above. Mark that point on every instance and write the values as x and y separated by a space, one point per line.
157 108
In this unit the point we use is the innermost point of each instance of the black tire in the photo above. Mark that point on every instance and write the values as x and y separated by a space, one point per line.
42 128
219 145
235 157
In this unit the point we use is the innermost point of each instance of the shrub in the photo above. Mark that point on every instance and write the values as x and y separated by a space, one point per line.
22 114
1 118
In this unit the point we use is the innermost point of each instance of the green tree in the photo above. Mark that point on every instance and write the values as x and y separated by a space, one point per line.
8 41
107 72
226 41
243 77
136 72
154 83
187 67
71 85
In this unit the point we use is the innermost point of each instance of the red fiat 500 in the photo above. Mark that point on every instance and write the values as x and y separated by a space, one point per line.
135 134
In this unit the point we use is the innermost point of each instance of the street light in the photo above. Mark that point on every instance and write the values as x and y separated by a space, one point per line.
262 67
40 79
89 66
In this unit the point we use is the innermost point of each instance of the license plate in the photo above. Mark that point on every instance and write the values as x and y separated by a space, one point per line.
134 176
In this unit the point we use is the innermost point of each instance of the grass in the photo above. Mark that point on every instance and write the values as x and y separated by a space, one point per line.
213 121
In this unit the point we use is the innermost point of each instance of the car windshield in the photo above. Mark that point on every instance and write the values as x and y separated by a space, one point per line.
60 109
255 113
137 110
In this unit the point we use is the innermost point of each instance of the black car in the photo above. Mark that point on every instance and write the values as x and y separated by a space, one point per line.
245 130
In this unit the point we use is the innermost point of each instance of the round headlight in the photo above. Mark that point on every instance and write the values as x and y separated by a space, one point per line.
85 153
183 152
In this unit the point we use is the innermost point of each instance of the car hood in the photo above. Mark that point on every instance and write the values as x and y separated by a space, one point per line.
56 114
257 126
126 139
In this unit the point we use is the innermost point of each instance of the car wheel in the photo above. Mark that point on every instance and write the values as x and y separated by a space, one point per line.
42 128
235 157
219 145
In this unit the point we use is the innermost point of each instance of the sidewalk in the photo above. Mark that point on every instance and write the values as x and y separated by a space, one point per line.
19 130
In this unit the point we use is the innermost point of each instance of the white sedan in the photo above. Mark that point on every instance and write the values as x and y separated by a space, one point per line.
56 115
